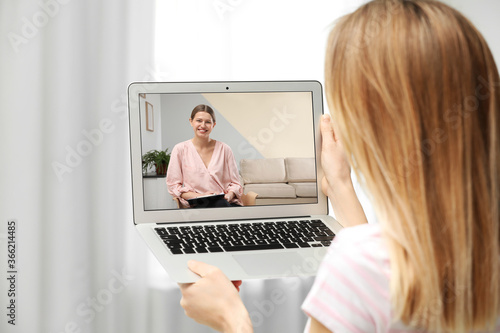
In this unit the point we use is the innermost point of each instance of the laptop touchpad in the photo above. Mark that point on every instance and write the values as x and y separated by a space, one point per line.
269 263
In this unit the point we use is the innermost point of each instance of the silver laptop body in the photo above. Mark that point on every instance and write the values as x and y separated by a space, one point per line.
263 123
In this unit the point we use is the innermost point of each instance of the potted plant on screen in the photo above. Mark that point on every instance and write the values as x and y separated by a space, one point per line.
158 158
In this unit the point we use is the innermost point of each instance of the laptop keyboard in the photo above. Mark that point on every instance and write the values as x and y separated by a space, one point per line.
245 236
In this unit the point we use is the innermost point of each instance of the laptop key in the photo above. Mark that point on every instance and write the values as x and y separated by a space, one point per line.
324 238
173 241
169 237
304 245
176 251
253 247
201 250
161 231
215 249
188 250
317 224
290 245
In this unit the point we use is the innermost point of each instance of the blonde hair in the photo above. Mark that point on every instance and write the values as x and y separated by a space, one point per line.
414 90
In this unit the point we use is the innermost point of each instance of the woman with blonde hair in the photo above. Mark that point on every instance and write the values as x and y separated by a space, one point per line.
415 99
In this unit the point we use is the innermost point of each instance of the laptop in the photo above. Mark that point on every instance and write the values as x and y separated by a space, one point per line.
280 226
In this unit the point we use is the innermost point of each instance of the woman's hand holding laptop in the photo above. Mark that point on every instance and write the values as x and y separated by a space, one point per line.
214 300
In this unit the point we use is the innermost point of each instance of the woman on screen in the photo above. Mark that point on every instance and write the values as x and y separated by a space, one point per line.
203 166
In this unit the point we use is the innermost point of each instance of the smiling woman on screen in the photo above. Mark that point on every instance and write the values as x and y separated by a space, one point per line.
203 166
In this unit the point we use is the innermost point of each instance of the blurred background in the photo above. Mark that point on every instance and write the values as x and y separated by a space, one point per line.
65 173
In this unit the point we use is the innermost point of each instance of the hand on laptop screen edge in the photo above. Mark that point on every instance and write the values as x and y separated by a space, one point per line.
256 148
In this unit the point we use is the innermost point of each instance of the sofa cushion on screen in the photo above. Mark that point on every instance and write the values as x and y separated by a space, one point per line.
266 170
272 190
300 170
305 190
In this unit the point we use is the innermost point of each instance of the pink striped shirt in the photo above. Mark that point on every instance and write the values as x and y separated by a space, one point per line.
351 290
187 172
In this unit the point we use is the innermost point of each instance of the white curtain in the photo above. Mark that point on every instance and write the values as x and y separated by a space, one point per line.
65 176
64 159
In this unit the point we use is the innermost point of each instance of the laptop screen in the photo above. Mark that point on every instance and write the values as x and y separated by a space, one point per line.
264 149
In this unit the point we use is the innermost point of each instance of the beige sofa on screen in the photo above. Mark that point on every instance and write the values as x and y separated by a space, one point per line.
280 180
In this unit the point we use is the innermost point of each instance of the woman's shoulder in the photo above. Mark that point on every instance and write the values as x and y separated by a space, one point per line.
223 146
361 234
184 143
360 245
181 146
352 283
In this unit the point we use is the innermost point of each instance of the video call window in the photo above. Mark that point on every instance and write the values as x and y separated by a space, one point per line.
265 142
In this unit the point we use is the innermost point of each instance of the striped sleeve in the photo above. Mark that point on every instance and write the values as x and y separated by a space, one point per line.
351 290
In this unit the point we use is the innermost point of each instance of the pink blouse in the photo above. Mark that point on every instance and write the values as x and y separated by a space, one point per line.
187 172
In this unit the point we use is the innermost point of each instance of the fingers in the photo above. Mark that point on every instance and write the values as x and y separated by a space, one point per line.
333 157
184 286
200 268
325 186
203 269
327 132
229 196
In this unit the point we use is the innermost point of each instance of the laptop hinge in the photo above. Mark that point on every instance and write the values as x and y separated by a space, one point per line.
236 220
